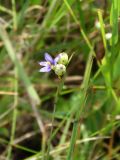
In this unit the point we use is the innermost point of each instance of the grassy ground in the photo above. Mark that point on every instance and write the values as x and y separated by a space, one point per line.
41 116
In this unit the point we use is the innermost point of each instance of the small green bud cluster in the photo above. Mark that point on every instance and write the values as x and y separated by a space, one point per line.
60 67
63 58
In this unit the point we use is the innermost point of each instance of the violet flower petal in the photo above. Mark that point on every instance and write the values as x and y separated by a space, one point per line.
45 69
43 63
48 58
56 59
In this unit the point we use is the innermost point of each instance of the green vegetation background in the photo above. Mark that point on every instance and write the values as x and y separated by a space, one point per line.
86 120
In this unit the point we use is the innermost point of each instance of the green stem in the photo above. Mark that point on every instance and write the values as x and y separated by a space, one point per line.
14 15
14 117
59 88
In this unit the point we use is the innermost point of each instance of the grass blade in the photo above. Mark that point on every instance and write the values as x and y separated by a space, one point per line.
22 75
80 105
114 20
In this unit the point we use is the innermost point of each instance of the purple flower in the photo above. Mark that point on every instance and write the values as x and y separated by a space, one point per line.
49 63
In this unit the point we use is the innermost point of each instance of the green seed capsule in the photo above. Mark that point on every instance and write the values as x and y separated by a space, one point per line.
59 69
63 58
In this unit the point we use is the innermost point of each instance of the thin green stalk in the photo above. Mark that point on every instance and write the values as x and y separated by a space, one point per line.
102 29
73 140
4 141
59 88
14 117
66 130
14 15
114 16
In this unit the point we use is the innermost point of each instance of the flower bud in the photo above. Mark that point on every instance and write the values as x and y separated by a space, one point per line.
63 58
59 69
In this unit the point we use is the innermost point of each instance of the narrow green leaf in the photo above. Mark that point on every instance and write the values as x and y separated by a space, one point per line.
102 29
80 104
30 89
114 20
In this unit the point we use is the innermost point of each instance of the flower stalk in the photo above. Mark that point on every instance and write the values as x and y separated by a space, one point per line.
58 65
58 91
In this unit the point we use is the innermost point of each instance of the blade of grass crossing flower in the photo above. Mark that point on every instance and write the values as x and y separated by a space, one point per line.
80 105
30 89
71 57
